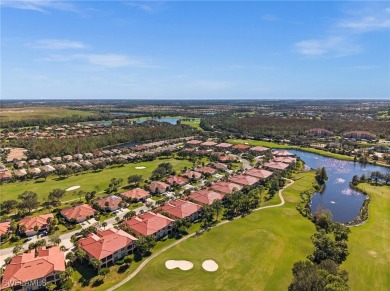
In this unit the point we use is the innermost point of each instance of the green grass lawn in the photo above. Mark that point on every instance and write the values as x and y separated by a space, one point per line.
254 253
195 123
25 113
368 263
283 146
87 181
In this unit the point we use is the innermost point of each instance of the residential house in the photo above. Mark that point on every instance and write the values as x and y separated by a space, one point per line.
227 159
360 135
79 213
136 194
206 170
67 158
5 175
4 228
282 153
275 166
244 180
33 163
158 186
259 173
177 180
57 160
286 160
208 144
20 164
180 209
48 169
150 224
192 175
45 161
205 196
110 203
220 166
319 132
78 156
224 146
241 148
108 246
88 155
258 150
28 272
34 171
20 173
194 142
226 187
35 224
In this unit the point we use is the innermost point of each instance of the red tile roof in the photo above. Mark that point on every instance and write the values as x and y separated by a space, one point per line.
208 143
78 212
224 145
106 242
180 208
227 159
206 196
136 193
286 160
282 153
205 170
177 179
148 223
194 142
259 149
226 187
27 267
4 227
259 173
31 222
244 180
192 174
276 165
241 147
158 185
113 201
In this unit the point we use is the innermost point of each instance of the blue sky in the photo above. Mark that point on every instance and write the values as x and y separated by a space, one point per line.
194 50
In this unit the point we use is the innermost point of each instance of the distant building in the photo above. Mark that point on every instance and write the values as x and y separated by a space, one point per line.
259 173
158 186
177 180
226 187
359 135
319 132
244 180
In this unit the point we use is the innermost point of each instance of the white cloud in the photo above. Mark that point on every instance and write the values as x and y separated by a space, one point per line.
331 46
369 21
38 5
57 44
269 17
102 60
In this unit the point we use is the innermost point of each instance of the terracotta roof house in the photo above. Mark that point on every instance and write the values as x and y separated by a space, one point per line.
227 159
259 149
20 173
150 224
241 147
78 156
244 180
275 166
67 158
26 269
208 144
194 142
259 173
88 155
109 203
35 171
158 186
192 175
224 145
206 170
286 160
33 162
136 194
4 227
5 175
220 166
45 161
108 246
86 164
205 197
48 168
79 212
177 180
319 132
30 223
179 209
360 135
57 159
282 153
20 164
225 187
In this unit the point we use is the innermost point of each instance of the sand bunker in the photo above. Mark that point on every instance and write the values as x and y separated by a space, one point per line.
73 188
182 265
210 266
139 168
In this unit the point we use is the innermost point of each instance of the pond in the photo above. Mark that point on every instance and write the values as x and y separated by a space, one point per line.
338 197
171 120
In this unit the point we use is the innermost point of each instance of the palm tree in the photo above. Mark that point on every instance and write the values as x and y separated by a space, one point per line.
217 205
104 224
95 263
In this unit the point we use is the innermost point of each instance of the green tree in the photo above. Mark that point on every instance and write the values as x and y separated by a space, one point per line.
28 201
95 263
134 180
8 205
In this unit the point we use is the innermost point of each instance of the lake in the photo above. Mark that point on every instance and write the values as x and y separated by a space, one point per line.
338 197
170 120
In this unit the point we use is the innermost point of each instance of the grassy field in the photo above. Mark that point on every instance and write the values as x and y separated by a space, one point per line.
87 181
254 253
369 259
195 123
283 146
24 113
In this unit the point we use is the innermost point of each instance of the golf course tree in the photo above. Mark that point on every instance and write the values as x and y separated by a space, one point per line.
324 276
321 175
134 180
54 197
207 217
114 185
218 206
28 202
144 246
180 227
81 255
89 196
162 171
8 205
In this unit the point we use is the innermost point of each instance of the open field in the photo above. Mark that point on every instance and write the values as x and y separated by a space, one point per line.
253 253
283 146
369 259
87 181
25 113
195 123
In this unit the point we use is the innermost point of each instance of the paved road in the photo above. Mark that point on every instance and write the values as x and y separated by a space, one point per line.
144 263
65 238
